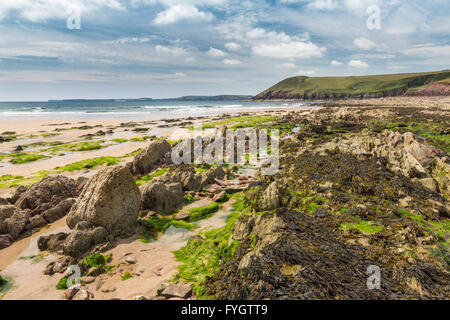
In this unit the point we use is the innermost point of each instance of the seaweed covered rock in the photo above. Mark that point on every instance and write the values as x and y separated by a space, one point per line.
155 153
111 200
270 199
290 255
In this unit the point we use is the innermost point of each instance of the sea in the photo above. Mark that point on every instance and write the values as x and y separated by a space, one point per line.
140 110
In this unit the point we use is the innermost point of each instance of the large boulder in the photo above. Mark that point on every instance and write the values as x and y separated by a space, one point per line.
145 161
163 198
47 194
111 200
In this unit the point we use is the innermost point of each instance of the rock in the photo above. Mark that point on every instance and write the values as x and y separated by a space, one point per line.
270 199
35 222
162 198
19 191
211 175
77 243
430 183
6 211
183 291
99 235
95 271
70 293
404 202
59 210
145 161
82 295
131 260
5 241
191 181
47 193
80 183
52 243
17 222
111 200
219 196
3 202
140 298
87 279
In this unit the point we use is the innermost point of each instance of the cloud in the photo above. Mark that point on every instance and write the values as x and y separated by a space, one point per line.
213 52
127 40
181 12
358 64
289 50
232 62
336 63
305 72
232 46
174 51
270 44
365 44
286 65
180 74
34 10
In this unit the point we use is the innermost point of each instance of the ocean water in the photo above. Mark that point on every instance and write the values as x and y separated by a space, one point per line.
147 110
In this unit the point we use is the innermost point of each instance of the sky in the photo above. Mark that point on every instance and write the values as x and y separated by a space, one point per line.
93 49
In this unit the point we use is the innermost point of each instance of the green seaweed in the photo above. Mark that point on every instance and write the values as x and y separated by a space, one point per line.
204 212
201 257
369 227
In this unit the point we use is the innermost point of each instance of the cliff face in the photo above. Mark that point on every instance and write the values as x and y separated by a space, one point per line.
285 95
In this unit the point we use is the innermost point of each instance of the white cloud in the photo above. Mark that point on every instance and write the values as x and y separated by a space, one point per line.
271 44
233 46
358 64
286 65
323 4
174 51
180 12
336 63
41 10
213 52
305 72
180 74
126 40
232 62
428 51
365 44
289 50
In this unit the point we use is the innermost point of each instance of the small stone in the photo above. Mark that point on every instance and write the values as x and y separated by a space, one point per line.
131 260
81 295
87 279
140 298
70 293
172 290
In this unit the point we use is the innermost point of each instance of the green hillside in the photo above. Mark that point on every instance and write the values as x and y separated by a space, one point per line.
303 87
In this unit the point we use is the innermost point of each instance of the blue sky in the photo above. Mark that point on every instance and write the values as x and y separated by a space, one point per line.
168 48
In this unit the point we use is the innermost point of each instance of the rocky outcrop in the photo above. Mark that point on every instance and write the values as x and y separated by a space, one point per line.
111 200
270 198
44 202
46 194
191 180
289 255
163 195
404 153
156 153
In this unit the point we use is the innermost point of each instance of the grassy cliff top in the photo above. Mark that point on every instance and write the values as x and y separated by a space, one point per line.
379 85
